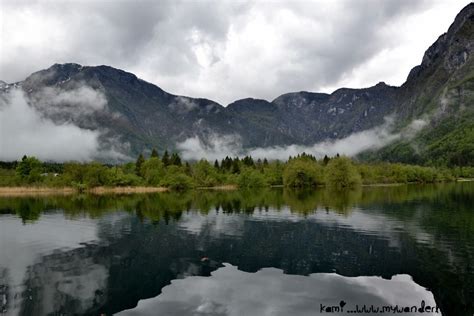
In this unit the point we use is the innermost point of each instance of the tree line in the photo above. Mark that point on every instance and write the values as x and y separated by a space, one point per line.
169 170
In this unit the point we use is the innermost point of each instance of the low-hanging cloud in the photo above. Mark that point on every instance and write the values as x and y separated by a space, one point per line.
214 147
79 101
25 130
218 147
183 105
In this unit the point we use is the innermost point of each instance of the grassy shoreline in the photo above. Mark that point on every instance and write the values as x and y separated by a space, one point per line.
42 190
31 191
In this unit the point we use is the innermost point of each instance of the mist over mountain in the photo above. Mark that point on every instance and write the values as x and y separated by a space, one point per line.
419 121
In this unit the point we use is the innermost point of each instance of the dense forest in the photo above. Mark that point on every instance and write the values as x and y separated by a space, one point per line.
171 172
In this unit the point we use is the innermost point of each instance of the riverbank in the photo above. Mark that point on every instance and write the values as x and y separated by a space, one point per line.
224 187
34 191
43 191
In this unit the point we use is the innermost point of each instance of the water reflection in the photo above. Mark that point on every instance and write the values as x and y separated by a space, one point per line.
91 255
232 292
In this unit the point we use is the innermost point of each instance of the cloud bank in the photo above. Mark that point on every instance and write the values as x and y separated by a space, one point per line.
227 50
77 102
25 130
218 147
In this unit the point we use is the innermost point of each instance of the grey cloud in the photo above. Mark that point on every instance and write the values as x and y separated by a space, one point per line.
222 50
183 105
77 102
219 146
23 130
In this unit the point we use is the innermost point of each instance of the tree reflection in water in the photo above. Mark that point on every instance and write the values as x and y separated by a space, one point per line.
92 254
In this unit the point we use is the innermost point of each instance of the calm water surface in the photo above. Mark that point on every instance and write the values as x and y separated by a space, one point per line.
270 252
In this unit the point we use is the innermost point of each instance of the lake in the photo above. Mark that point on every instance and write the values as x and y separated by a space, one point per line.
399 250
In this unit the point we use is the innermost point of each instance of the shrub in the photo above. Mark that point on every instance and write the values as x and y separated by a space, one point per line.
152 171
204 174
303 173
340 172
176 179
251 178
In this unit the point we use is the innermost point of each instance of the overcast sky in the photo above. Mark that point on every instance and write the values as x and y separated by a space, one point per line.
226 50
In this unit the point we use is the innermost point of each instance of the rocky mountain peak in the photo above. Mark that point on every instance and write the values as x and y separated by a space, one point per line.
452 48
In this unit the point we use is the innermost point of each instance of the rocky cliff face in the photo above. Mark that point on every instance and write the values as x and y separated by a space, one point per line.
439 91
143 115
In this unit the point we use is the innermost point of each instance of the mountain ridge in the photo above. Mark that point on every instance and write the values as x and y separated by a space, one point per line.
145 116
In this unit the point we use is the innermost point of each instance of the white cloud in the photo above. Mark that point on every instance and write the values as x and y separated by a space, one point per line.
23 130
227 50
77 102
218 147
183 105
215 147
350 146
229 291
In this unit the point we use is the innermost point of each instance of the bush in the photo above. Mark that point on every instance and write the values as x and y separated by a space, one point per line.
176 179
117 177
152 171
29 170
303 173
340 172
251 178
273 173
8 177
204 174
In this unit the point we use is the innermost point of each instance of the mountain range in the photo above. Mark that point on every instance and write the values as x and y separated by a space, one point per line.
432 112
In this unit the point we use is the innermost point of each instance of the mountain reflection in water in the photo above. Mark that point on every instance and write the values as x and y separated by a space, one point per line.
106 254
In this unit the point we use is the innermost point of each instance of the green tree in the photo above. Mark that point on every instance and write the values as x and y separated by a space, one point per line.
176 179
204 174
153 171
95 174
175 160
273 173
251 178
341 172
303 172
236 165
166 159
138 164
29 169
154 153
325 160
116 176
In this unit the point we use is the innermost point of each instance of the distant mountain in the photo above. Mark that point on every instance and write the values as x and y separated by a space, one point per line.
148 116
438 92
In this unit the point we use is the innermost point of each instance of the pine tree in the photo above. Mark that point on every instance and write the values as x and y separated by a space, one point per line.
138 164
154 153
236 165
216 165
325 160
175 160
166 159
248 161
226 163
187 169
